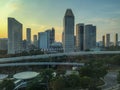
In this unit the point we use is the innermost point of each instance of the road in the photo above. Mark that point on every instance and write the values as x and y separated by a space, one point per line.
13 59
110 80
41 63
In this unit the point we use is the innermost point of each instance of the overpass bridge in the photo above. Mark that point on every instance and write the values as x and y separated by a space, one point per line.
41 64
22 58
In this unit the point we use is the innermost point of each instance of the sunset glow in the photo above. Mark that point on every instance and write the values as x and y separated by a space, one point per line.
40 15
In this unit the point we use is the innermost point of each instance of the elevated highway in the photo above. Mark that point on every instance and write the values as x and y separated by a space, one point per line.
14 59
41 63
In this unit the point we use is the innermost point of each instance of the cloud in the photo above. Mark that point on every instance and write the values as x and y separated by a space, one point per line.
9 7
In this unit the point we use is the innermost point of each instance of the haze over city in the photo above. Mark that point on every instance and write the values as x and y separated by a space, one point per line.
45 14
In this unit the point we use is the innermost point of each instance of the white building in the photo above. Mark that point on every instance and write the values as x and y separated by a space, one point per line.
43 40
3 43
68 30
14 36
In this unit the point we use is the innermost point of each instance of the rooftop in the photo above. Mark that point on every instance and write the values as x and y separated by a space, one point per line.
69 12
25 75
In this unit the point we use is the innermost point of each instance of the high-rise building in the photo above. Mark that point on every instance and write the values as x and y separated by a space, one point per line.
52 36
103 41
75 41
24 45
3 43
28 36
68 30
43 40
116 40
35 41
107 40
51 33
80 37
62 38
89 37
14 36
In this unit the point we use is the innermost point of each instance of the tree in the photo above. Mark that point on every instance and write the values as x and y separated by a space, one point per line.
70 82
73 81
94 69
7 85
58 83
115 60
118 78
24 53
85 82
42 81
36 84
91 74
46 75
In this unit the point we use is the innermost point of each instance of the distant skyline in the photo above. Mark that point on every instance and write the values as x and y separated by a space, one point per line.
40 15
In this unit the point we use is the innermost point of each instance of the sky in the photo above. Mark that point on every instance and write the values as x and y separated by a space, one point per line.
40 15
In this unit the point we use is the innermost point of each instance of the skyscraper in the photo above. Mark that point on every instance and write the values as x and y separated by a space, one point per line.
45 39
3 43
14 36
28 36
80 37
89 37
103 40
116 40
68 30
107 40
62 38
35 40
52 37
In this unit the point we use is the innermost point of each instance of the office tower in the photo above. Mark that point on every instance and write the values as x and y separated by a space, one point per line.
52 36
89 37
68 30
28 36
51 33
3 43
80 37
14 36
62 37
24 45
74 41
35 41
103 41
107 40
116 40
43 40
49 38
